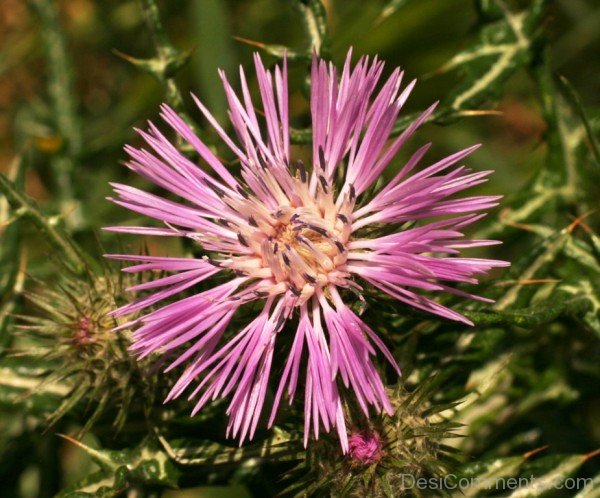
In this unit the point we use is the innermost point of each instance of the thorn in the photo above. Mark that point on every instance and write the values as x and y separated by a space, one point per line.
592 454
252 43
579 221
531 453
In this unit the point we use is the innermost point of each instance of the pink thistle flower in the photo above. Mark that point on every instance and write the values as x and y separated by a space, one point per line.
365 447
292 239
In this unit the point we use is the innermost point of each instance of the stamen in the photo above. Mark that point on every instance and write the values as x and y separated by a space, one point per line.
323 183
242 240
309 278
352 192
319 230
339 246
242 192
322 158
294 290
302 171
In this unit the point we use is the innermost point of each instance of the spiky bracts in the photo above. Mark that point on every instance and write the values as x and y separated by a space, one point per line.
300 242
74 324
387 454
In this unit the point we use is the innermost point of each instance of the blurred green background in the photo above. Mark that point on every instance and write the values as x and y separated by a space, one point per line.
102 97
112 96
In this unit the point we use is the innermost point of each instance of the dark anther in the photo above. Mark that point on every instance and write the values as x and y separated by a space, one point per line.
293 290
342 217
216 188
319 230
322 158
242 240
323 181
280 322
309 278
302 170
242 192
252 221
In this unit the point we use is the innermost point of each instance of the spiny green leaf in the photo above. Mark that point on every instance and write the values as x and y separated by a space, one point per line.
278 51
549 471
576 102
281 446
20 387
536 315
146 463
11 277
502 48
314 17
591 489
99 484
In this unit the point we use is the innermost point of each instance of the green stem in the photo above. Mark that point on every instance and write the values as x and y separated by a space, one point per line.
532 316
315 24
59 239
170 59
61 91
11 281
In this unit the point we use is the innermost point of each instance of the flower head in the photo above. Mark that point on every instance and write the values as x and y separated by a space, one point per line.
74 325
297 240
365 447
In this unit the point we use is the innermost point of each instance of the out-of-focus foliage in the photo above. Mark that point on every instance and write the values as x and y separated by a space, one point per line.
521 387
